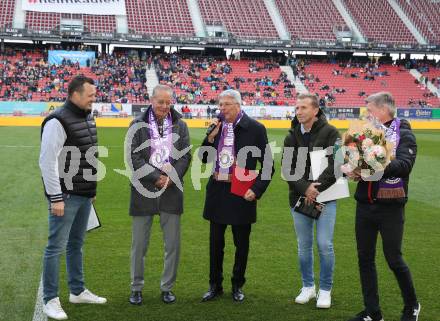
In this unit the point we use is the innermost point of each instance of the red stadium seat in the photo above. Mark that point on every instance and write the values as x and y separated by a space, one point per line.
399 82
167 17
379 22
7 9
51 21
246 19
238 69
425 16
310 19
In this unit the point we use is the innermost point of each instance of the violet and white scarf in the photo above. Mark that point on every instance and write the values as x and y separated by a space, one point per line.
160 150
392 188
226 150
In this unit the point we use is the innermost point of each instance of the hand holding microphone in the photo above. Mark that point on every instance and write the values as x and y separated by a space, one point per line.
214 128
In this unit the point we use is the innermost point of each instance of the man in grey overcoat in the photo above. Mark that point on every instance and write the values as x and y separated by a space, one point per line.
159 155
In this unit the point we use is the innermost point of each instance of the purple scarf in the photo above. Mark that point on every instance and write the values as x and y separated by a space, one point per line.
392 187
392 134
226 150
160 150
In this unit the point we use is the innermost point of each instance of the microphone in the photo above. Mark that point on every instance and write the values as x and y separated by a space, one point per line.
213 125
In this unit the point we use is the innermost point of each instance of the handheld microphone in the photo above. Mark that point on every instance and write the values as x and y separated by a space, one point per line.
213 125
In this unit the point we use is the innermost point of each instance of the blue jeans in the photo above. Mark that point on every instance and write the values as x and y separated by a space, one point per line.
66 233
304 228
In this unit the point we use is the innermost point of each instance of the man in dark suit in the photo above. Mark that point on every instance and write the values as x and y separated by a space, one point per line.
232 140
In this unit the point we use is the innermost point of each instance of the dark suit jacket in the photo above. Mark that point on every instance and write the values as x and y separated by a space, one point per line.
223 207
401 166
171 201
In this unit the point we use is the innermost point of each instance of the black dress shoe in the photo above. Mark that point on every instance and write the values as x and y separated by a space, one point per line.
136 297
237 295
212 293
168 297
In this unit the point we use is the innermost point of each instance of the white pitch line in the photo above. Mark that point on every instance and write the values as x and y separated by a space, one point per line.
38 311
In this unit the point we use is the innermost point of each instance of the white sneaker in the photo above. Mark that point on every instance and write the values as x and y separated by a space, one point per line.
324 299
306 295
54 310
86 297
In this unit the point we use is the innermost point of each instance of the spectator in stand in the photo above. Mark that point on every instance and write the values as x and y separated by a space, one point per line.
295 72
110 70
186 112
187 75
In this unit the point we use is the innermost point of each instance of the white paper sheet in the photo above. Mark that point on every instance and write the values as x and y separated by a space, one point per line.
93 219
338 190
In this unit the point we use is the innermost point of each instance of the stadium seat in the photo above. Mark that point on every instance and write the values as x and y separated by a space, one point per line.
379 22
185 81
164 17
124 84
398 81
310 19
245 19
425 16
7 13
51 21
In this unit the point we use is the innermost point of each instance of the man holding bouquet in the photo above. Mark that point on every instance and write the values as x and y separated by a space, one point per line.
380 209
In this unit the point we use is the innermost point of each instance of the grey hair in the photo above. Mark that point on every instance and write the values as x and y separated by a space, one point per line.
383 99
312 97
162 88
235 94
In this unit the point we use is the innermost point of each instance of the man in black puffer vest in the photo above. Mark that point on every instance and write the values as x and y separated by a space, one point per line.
68 138
381 209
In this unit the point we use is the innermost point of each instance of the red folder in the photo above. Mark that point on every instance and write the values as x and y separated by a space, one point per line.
242 179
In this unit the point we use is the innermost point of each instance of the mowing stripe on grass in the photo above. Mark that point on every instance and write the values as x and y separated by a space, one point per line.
35 146
17 146
38 311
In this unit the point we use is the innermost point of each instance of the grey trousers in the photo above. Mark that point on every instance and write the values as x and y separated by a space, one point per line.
141 227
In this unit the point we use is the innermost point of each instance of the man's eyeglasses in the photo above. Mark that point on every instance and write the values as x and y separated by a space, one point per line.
226 104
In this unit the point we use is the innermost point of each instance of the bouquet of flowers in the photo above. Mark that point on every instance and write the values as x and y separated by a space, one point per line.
364 147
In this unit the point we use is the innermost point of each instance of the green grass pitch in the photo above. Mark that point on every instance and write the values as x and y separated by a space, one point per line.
273 277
